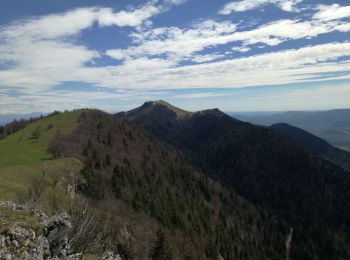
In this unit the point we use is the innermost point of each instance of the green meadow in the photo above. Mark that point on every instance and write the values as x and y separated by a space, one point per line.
23 157
22 148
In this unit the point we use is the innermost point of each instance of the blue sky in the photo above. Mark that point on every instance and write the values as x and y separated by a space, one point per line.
246 55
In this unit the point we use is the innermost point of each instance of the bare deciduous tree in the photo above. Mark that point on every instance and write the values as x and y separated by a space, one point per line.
34 192
88 229
37 188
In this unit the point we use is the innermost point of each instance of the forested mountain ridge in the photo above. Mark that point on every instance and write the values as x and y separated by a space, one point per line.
269 169
164 183
331 125
315 145
128 168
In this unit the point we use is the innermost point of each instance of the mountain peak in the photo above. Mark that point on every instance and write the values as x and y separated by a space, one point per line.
213 111
150 105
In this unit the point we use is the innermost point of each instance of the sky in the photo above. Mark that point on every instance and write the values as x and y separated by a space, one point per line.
245 55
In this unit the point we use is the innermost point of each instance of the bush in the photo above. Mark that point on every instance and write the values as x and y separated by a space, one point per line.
36 134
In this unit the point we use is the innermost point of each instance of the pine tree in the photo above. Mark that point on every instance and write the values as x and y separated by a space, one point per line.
161 249
109 138
108 160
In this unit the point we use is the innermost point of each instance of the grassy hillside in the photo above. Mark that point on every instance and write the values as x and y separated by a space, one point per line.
16 178
24 158
23 148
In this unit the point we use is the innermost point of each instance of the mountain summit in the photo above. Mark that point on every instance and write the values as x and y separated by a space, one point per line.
159 107
169 122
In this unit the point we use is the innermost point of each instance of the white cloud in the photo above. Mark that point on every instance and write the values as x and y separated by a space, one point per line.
200 95
52 26
177 43
332 12
279 31
206 58
134 18
43 52
241 49
288 66
72 22
41 64
154 59
116 54
245 5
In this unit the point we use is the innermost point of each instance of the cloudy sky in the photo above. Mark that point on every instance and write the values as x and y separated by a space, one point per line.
246 55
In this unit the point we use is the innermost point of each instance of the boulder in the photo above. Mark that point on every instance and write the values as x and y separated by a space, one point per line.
55 231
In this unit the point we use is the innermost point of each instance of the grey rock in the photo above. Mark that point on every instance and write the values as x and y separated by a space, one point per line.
2 241
41 215
18 242
110 256
20 233
55 230
77 256
15 243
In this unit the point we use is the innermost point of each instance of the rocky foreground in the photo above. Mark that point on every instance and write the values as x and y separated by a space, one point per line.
33 235
47 241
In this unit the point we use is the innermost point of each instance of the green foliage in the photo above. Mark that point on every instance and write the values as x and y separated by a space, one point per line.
94 183
117 182
108 160
212 249
161 249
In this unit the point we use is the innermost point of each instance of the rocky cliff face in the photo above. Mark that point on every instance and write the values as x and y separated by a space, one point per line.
32 234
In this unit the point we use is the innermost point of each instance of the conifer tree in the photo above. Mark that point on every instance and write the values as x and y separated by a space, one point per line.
161 249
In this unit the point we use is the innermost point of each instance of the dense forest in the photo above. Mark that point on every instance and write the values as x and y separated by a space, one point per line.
125 165
267 168
315 145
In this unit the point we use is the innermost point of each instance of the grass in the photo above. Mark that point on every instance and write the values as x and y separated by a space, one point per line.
345 148
21 148
91 257
179 112
16 178
22 158
26 219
